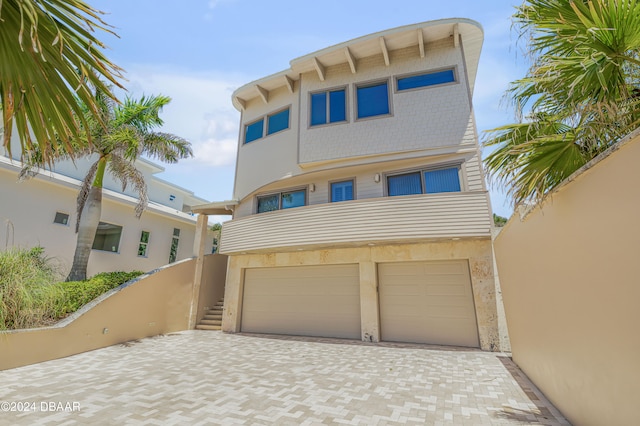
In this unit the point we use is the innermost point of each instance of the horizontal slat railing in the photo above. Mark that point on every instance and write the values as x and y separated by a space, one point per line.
387 219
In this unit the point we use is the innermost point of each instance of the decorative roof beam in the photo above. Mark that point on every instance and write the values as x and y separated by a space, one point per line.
264 93
385 52
421 42
290 83
350 59
319 68
241 102
456 35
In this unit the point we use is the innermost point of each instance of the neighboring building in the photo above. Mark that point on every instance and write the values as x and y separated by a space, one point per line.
360 208
42 211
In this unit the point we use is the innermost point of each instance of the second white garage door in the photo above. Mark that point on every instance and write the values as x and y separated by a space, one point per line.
321 300
427 302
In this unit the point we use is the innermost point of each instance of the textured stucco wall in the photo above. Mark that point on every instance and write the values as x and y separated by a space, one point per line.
569 276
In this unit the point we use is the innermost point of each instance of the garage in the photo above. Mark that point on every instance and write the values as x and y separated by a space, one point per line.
319 300
427 302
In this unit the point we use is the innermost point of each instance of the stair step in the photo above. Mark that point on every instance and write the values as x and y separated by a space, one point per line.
210 322
208 327
212 317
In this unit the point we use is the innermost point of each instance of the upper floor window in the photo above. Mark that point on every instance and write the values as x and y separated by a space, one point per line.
276 122
253 131
424 182
341 191
328 107
373 99
426 79
282 200
107 237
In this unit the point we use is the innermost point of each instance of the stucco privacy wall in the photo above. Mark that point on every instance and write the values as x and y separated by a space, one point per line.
157 303
571 287
478 252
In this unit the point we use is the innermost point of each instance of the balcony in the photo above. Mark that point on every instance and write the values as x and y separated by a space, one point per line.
367 221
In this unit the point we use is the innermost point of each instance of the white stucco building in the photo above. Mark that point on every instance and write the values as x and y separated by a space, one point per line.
42 211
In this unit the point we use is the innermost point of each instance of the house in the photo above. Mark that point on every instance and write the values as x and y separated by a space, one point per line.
42 211
360 209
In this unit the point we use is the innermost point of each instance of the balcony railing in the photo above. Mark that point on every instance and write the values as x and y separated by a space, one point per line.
374 220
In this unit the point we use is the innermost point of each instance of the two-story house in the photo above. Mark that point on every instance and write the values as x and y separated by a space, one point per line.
360 208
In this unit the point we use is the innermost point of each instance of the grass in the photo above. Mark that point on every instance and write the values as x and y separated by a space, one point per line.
31 294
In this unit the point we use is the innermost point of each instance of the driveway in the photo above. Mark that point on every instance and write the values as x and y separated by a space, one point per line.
207 377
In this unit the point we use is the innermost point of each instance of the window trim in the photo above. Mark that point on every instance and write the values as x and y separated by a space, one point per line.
371 83
265 124
279 193
60 223
456 79
119 239
328 106
349 179
429 168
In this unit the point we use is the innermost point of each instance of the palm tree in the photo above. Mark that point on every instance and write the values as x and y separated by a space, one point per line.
582 91
49 58
129 133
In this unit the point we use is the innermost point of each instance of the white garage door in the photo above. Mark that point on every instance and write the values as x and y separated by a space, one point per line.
427 302
303 300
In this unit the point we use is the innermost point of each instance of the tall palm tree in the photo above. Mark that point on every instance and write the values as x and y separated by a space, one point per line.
49 58
582 91
129 133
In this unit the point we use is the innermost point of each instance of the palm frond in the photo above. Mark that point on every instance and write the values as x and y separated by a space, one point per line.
166 147
126 172
50 58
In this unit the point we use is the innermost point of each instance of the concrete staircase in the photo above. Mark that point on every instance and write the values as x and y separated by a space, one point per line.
212 319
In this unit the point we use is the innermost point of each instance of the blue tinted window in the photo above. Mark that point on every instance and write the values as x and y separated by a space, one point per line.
293 199
445 180
337 106
342 191
268 203
404 184
253 131
424 80
373 100
278 121
318 108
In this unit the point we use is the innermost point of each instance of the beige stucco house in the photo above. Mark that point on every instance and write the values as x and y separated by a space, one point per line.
42 211
360 208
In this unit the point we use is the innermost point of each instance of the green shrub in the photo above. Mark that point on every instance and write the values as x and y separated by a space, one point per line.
28 295
78 293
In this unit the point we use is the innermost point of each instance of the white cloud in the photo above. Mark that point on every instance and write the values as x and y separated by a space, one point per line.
200 111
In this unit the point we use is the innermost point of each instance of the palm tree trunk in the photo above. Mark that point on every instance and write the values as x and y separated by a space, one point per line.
89 221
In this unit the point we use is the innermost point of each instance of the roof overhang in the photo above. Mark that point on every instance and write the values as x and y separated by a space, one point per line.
218 208
464 32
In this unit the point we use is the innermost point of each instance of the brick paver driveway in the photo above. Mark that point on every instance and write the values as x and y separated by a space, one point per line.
204 377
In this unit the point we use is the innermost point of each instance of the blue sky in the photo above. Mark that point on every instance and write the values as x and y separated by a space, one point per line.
198 52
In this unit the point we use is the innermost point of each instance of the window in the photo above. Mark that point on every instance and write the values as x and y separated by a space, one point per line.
373 100
328 107
253 131
342 191
278 122
424 182
214 246
173 252
107 237
283 200
426 80
144 243
61 218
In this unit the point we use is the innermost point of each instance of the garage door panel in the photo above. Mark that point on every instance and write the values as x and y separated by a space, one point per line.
427 302
303 300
